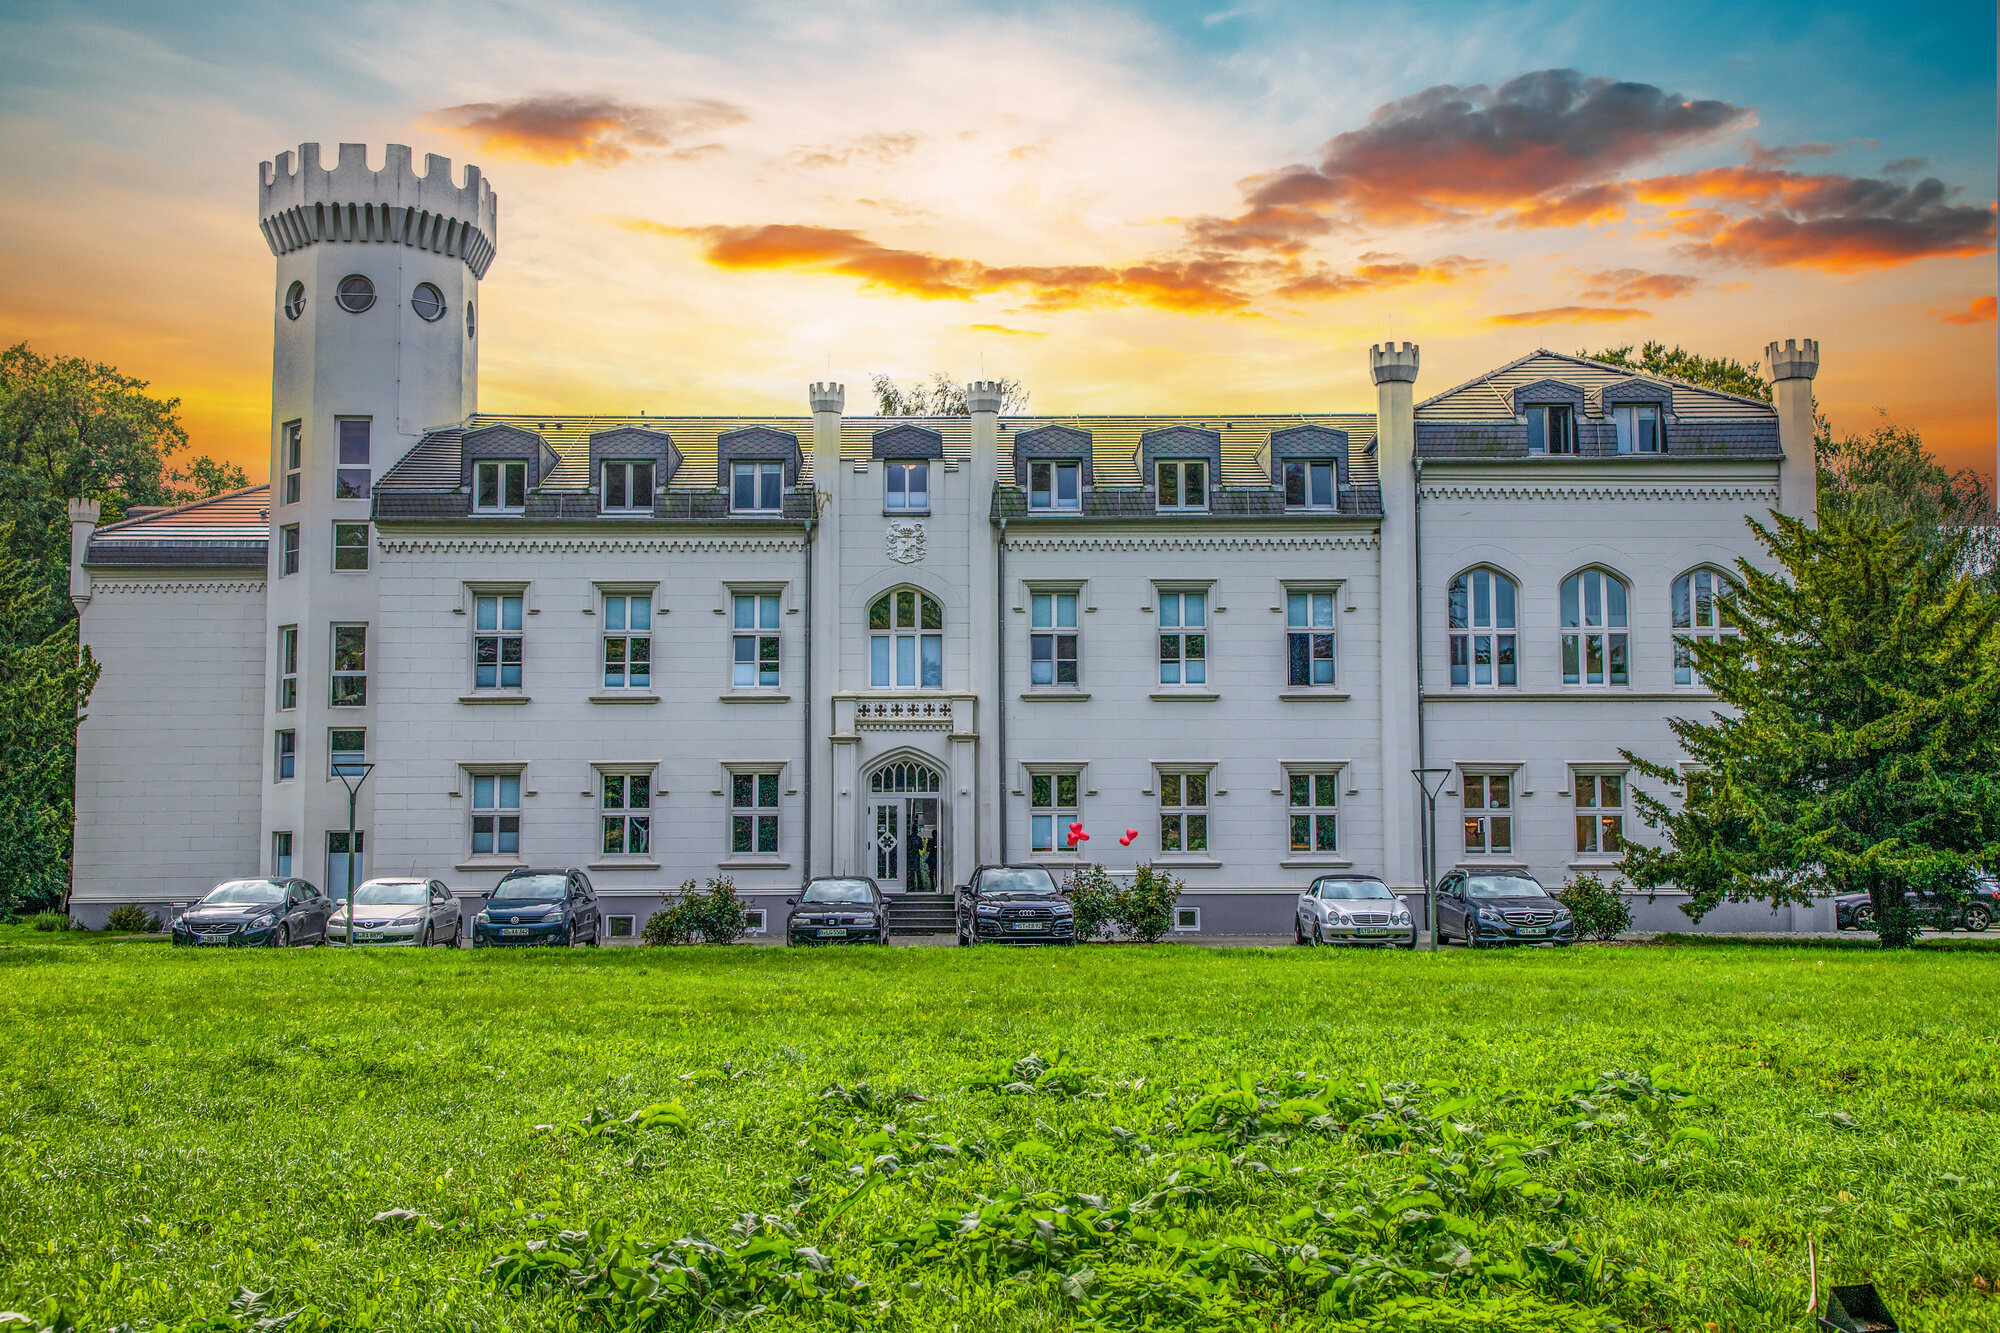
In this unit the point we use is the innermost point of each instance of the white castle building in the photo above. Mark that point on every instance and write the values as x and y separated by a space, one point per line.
669 648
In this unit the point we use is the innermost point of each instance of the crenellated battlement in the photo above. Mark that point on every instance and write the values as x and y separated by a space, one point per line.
827 397
1390 362
983 396
300 203
1793 361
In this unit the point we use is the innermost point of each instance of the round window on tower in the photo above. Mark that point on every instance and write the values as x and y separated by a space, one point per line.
295 300
428 302
471 324
356 293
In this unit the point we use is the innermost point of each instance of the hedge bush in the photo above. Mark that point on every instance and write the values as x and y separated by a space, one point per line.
715 917
1599 908
132 919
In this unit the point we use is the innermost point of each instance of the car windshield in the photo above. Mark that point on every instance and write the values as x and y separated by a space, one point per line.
1502 886
838 891
392 893
1029 880
533 888
1354 888
245 891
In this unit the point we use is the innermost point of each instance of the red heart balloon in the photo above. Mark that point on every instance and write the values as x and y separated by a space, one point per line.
1130 834
1125 841
1083 837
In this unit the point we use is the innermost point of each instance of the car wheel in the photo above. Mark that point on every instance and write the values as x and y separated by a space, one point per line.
1978 916
430 936
1864 916
1298 930
1315 939
283 939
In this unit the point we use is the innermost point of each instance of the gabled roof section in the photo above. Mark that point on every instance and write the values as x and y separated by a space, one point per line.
231 530
1486 396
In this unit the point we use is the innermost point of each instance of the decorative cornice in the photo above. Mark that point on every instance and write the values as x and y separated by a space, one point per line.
100 584
582 545
1730 494
1194 542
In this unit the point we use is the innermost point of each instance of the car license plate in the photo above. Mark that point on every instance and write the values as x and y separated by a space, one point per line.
1530 930
513 930
1372 930
366 937
832 934
212 939
1029 925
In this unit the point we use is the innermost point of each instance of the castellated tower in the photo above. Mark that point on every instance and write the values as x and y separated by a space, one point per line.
376 323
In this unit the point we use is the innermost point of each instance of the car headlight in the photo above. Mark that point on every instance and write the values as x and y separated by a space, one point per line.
1341 918
988 909
865 919
1402 917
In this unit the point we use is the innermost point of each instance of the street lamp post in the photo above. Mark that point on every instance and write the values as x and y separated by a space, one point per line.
351 777
1431 781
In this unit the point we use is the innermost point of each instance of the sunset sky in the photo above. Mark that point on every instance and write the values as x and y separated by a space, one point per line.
1142 208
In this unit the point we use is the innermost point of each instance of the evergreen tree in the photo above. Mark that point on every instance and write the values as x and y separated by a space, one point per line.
1861 747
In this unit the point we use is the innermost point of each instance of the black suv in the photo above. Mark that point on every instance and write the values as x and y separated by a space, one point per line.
1976 911
1014 905
540 907
1481 908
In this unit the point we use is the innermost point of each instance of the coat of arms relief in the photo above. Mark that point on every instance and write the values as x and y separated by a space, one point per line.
906 541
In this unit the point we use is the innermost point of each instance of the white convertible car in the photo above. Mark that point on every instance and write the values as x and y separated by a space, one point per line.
1353 909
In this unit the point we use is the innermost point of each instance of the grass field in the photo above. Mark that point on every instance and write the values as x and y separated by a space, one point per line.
1220 1139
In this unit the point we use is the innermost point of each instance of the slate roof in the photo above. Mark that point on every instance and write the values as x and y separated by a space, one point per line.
229 531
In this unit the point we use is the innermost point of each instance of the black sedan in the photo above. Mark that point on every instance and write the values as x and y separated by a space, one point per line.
1014 905
244 912
1976 911
540 907
1483 908
838 911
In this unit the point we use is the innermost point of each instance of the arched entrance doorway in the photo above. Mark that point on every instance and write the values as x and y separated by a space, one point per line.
904 833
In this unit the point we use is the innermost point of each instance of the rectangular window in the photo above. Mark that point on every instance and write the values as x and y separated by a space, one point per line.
1552 430
1183 638
496 814
757 488
1315 824
1184 812
753 813
337 879
1600 813
499 486
1055 485
1639 429
1187 920
1309 484
1181 484
347 751
287 757
281 854
350 546
628 642
288 668
618 927
291 460
628 485
1052 808
350 478
349 685
1488 799
496 641
907 487
1309 637
754 640
627 814
905 629
1052 640
288 550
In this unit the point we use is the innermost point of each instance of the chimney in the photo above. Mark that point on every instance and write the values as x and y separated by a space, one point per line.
1395 371
1792 369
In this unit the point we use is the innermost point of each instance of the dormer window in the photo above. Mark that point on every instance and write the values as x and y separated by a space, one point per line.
1639 428
1055 486
1309 484
1552 429
499 486
1182 485
906 487
628 486
757 487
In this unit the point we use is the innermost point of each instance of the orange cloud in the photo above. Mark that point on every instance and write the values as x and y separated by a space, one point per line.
1571 314
557 129
878 147
1981 311
1579 208
1376 272
1631 284
1002 328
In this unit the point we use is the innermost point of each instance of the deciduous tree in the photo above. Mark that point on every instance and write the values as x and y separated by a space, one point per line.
942 397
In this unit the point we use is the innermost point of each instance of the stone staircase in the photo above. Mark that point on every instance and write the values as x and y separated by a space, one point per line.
921 914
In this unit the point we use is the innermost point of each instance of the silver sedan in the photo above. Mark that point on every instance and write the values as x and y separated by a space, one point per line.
421 912
1353 909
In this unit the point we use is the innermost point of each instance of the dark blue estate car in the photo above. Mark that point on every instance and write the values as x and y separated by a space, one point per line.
540 907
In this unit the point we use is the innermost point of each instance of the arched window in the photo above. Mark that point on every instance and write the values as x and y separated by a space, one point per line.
1698 614
906 641
905 775
1596 650
1482 630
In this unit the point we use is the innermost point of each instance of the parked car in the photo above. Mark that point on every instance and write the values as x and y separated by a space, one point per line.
540 907
838 911
243 912
1979 909
1353 909
1014 905
422 912
1481 908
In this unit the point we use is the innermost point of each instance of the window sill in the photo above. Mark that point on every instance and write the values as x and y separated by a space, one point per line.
766 696
1304 861
1056 858
1596 863
489 863
1178 695
495 698
499 513
906 513
626 697
623 863
756 513
1055 696
1187 860
1302 694
772 861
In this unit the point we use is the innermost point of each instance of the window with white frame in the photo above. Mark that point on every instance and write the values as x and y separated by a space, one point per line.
1309 643
1309 483
906 486
1052 638
288 668
281 854
1311 803
753 813
500 485
1600 813
628 485
754 921
1183 810
754 640
288 550
286 757
496 641
347 751
348 684
350 546
1482 627
1187 920
1180 484
1552 429
1055 485
350 476
628 641
619 927
757 487
1488 801
1052 808
1639 428
1595 647
626 801
906 641
1183 638
1698 614
291 459
496 814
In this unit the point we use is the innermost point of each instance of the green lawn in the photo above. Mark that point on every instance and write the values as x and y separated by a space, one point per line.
1240 1139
